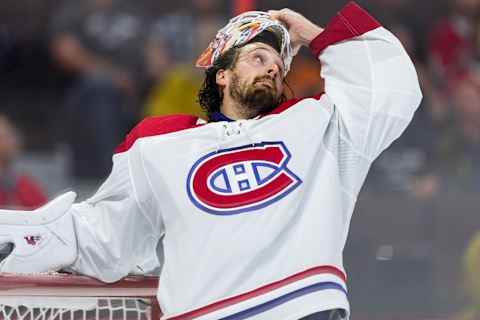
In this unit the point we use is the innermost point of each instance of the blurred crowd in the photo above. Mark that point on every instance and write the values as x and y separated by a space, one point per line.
110 63
125 65
99 66
440 150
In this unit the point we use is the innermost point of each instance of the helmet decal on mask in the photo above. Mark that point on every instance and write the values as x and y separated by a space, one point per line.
243 28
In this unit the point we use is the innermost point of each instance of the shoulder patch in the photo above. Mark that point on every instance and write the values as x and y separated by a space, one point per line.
154 126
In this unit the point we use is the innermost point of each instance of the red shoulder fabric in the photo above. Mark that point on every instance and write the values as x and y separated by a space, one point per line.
155 126
289 103
350 22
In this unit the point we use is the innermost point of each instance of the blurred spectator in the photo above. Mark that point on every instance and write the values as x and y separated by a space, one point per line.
459 147
101 43
451 42
17 190
176 92
465 102
441 147
185 31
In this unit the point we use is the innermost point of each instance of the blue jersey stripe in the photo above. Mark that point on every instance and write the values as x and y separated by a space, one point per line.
285 298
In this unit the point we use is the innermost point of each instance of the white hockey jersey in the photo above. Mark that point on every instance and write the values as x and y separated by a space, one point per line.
253 214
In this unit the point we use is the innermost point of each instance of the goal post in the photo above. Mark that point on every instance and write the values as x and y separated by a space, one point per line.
66 296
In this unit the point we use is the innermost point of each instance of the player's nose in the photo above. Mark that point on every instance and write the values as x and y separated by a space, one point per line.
273 70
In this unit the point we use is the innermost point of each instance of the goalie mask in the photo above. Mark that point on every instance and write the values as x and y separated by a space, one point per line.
249 27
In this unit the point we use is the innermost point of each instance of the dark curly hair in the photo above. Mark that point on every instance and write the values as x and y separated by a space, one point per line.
209 96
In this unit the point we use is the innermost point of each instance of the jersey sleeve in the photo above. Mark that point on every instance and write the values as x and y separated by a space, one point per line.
369 78
118 228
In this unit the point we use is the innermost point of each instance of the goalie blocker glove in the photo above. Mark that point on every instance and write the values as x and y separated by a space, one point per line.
43 239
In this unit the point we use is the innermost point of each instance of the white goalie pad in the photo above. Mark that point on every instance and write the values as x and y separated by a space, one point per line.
43 239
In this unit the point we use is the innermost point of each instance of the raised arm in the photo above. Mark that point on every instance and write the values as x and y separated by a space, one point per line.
368 75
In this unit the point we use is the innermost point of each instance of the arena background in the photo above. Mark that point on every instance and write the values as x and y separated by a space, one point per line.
411 252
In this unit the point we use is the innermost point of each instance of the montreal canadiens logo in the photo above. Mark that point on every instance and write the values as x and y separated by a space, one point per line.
242 179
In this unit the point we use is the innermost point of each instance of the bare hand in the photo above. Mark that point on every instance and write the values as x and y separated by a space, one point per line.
302 31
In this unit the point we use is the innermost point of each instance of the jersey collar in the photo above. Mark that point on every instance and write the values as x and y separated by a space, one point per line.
218 116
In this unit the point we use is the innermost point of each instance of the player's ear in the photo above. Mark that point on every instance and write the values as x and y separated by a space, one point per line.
221 78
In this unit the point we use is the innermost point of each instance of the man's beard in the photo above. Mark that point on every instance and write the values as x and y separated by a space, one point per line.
253 99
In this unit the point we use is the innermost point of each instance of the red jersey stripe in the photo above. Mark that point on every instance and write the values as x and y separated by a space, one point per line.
259 291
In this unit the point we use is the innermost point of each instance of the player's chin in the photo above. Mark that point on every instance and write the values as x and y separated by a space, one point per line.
263 95
264 98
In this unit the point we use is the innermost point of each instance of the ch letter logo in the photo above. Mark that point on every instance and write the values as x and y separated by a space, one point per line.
241 179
